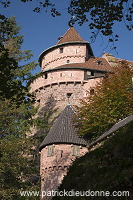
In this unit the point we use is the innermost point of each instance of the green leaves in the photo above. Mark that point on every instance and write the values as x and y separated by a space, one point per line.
100 15
16 112
111 102
13 74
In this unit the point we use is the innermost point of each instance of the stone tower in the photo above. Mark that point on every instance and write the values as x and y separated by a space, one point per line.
69 68
59 149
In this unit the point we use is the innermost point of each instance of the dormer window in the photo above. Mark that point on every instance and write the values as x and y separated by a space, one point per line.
61 50
99 62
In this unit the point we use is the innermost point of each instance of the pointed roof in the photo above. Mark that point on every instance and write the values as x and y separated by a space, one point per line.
70 36
63 130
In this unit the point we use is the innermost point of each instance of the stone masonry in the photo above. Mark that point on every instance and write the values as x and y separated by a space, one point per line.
69 69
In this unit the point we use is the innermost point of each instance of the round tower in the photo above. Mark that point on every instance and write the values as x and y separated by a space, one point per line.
67 67
69 70
59 149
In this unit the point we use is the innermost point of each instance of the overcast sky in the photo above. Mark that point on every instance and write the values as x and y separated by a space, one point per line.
41 30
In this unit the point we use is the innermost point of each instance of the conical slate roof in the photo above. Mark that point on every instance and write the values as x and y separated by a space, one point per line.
70 36
63 131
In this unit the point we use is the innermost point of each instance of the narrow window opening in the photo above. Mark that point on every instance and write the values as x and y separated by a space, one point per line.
46 76
60 74
68 61
92 73
91 91
76 150
50 151
61 50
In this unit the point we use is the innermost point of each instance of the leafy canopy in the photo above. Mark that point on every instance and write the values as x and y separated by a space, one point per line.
16 112
111 102
99 14
13 72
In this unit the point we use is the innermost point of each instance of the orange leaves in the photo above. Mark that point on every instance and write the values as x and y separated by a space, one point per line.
111 102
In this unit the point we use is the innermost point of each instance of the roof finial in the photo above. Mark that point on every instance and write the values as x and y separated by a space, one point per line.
68 98
72 21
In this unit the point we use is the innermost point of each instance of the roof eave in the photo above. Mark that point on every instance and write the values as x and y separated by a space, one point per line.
71 143
81 68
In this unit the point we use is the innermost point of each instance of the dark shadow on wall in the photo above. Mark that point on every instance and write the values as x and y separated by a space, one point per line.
53 176
43 123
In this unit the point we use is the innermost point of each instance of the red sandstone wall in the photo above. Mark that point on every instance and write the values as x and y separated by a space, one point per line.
74 53
51 92
54 168
56 77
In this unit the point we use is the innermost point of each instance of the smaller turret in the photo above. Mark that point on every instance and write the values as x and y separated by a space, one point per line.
59 149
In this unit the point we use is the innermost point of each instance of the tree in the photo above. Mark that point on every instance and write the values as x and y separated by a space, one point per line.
111 102
13 74
100 15
16 112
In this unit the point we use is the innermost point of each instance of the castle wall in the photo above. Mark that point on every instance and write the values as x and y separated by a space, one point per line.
74 53
51 93
54 168
56 77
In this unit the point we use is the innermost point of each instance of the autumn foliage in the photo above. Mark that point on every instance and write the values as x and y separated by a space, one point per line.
111 102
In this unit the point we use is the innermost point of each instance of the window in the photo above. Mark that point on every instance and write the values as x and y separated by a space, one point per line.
60 74
99 62
69 95
92 73
91 91
68 61
61 50
76 150
46 76
88 74
50 150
